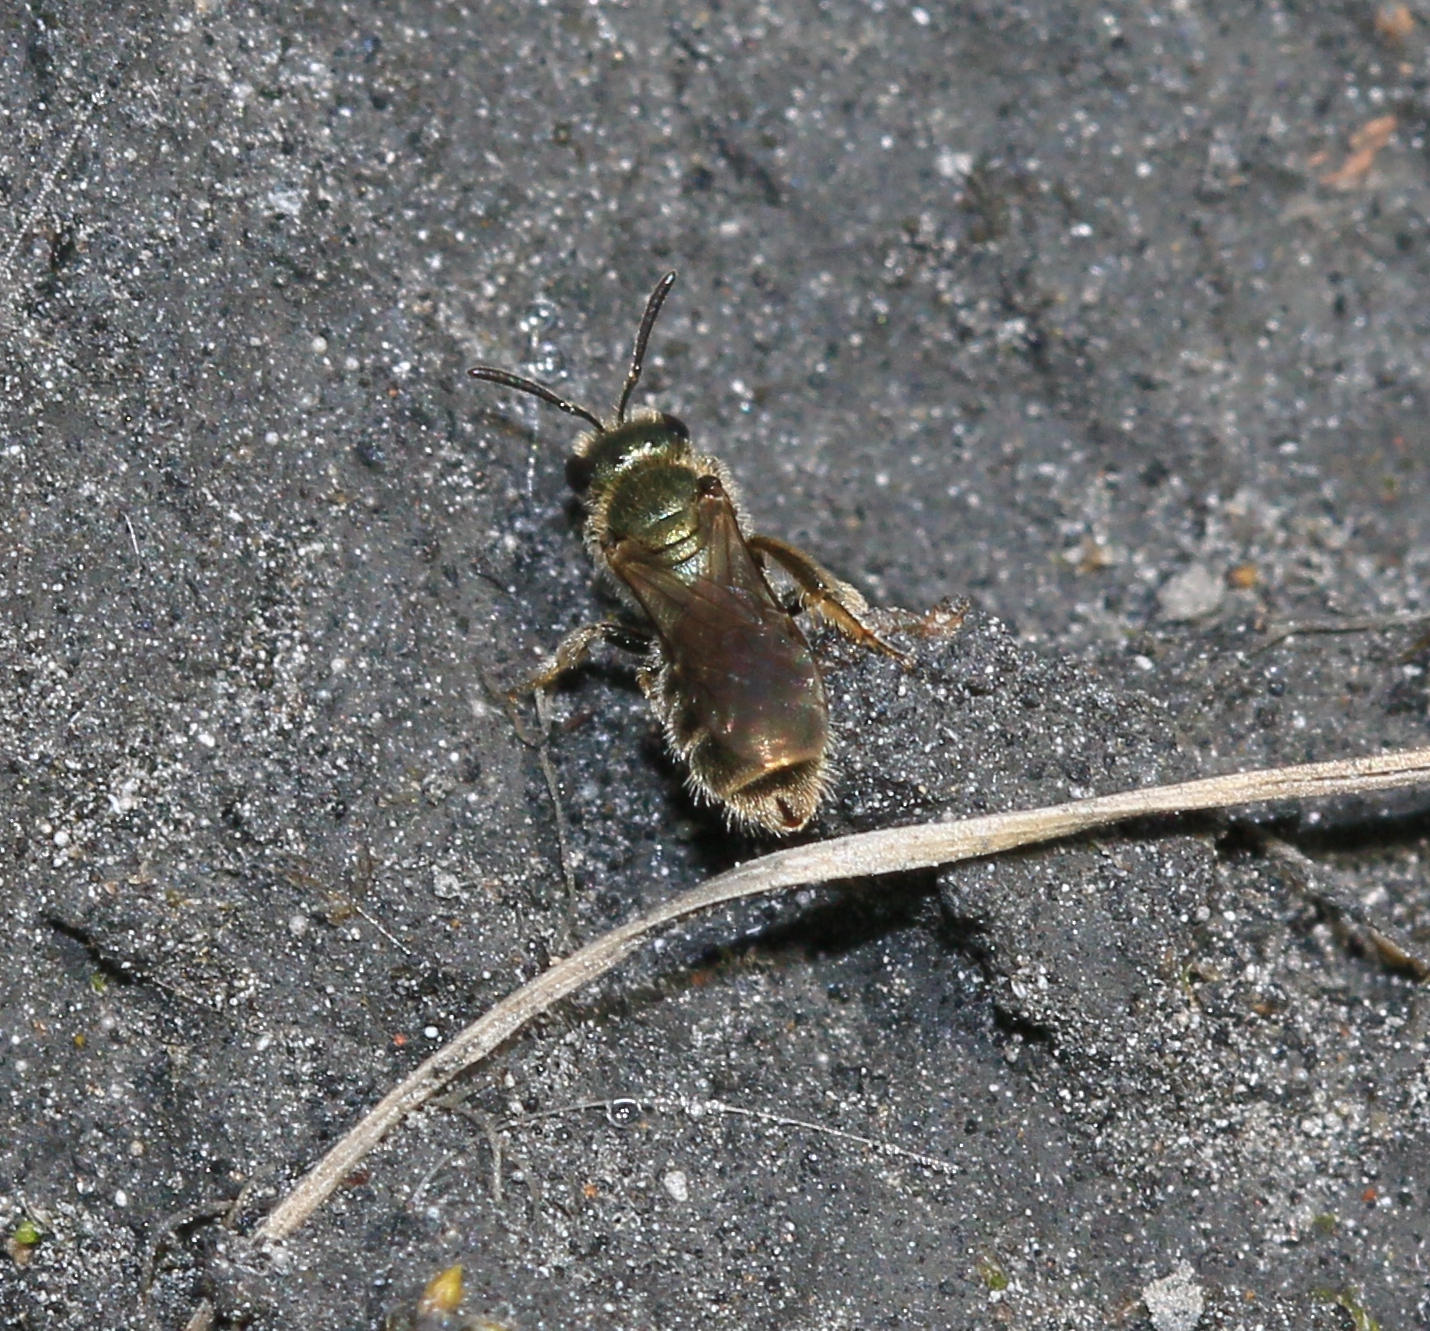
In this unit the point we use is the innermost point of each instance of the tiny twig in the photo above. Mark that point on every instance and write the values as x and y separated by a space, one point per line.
885 1148
563 838
426 1181
190 1215
300 877
865 854
1327 888
456 1103
494 1142
1376 624
362 882
377 924
697 1109
540 743
42 199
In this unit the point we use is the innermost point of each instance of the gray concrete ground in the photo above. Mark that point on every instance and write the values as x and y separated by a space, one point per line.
1111 318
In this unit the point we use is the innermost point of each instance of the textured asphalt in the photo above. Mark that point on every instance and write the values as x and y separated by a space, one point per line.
1109 318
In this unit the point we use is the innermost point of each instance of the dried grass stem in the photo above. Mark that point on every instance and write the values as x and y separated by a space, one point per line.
867 854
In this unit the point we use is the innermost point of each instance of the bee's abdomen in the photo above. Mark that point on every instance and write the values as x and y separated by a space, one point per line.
770 768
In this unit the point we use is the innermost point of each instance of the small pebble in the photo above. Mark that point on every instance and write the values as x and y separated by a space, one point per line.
1194 593
1175 1302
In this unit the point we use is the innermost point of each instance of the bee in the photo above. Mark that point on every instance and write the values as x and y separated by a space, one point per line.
728 672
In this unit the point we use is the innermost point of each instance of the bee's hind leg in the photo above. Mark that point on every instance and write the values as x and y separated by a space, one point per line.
824 596
573 649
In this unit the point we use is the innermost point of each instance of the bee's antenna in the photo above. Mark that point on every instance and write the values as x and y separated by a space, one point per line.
509 380
652 312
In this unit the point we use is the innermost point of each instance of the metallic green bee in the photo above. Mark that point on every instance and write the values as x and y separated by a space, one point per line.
728 671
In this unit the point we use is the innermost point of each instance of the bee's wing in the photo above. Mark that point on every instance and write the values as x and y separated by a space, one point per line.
737 658
727 599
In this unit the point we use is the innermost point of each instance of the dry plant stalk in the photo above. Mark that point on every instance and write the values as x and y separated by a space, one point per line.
866 854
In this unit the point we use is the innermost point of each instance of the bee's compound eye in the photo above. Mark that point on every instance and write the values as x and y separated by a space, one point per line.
578 472
709 485
675 425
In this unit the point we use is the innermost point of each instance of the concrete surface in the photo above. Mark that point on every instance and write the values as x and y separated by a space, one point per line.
1094 314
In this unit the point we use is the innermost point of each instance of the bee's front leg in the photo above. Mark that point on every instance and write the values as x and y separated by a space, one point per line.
824 596
573 648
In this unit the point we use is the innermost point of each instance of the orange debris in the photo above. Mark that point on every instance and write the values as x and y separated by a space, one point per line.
1394 22
1366 142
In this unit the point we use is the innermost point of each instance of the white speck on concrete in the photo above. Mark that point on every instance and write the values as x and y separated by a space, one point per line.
1175 1302
954 165
1193 593
286 202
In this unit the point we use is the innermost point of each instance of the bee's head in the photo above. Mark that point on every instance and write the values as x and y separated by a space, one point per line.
607 452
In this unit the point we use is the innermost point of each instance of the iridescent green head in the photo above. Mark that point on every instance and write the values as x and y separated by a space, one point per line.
606 454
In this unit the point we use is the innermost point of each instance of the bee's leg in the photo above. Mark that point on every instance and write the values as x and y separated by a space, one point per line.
572 650
824 596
